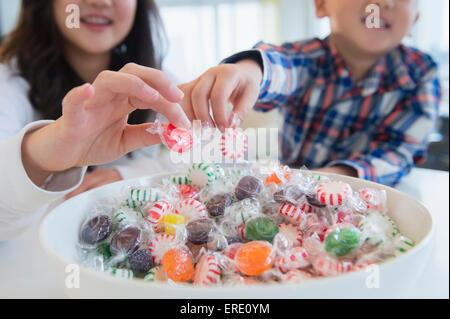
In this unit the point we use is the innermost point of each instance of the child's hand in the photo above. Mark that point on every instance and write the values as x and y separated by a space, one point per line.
93 128
238 84
339 169
95 179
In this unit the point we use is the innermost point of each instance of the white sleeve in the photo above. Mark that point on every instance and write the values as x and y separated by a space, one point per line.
20 198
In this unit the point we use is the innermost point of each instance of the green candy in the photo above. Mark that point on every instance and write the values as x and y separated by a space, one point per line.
261 228
342 242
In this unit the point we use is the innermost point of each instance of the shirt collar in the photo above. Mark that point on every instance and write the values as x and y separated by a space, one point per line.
389 73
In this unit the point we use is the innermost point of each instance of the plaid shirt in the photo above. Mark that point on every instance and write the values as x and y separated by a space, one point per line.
379 126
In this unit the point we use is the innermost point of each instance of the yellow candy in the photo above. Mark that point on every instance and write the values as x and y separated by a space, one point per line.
170 221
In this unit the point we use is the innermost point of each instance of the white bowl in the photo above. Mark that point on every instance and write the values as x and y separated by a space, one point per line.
395 277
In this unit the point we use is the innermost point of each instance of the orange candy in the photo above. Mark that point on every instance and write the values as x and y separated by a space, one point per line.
178 265
254 258
275 177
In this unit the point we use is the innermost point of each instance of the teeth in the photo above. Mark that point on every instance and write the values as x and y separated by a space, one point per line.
96 20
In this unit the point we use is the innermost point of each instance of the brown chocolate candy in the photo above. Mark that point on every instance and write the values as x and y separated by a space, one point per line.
96 229
126 241
217 204
248 186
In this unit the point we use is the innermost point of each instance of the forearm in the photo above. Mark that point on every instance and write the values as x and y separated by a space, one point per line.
20 197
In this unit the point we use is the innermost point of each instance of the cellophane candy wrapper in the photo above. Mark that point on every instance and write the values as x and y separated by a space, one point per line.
240 224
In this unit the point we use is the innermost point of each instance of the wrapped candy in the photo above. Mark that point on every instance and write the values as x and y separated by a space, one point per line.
207 271
213 225
176 139
178 265
254 258
96 229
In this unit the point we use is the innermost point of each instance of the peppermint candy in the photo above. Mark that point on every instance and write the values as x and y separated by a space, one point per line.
373 198
233 144
180 180
307 208
218 171
377 228
155 212
333 193
124 216
294 258
160 245
327 266
191 209
144 194
207 271
201 175
121 273
178 140
291 213
292 233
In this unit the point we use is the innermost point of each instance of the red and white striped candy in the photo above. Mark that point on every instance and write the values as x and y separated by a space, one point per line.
296 276
160 245
292 233
241 231
233 144
371 198
291 213
207 271
191 209
307 208
157 211
294 258
363 265
333 193
327 266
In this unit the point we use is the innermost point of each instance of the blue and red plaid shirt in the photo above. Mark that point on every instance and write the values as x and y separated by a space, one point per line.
379 126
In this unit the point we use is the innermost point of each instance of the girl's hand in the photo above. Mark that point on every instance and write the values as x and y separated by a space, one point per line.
93 128
95 179
235 83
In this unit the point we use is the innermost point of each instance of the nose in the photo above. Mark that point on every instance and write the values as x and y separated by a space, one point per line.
99 3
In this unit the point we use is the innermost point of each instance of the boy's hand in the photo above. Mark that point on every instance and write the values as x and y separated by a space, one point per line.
339 169
238 84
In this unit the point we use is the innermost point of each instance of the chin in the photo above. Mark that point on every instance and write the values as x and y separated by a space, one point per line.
376 47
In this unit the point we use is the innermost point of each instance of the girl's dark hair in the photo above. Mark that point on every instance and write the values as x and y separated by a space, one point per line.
36 44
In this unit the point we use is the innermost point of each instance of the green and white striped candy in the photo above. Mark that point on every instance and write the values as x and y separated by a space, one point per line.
124 216
144 194
132 203
151 274
201 175
218 171
377 228
402 244
180 180
121 273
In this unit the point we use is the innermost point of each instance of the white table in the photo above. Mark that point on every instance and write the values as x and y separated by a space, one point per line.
26 273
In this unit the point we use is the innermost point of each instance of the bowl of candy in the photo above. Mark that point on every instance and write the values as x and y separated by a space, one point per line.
242 231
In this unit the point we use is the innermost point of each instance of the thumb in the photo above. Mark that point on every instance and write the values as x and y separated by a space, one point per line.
136 136
76 97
